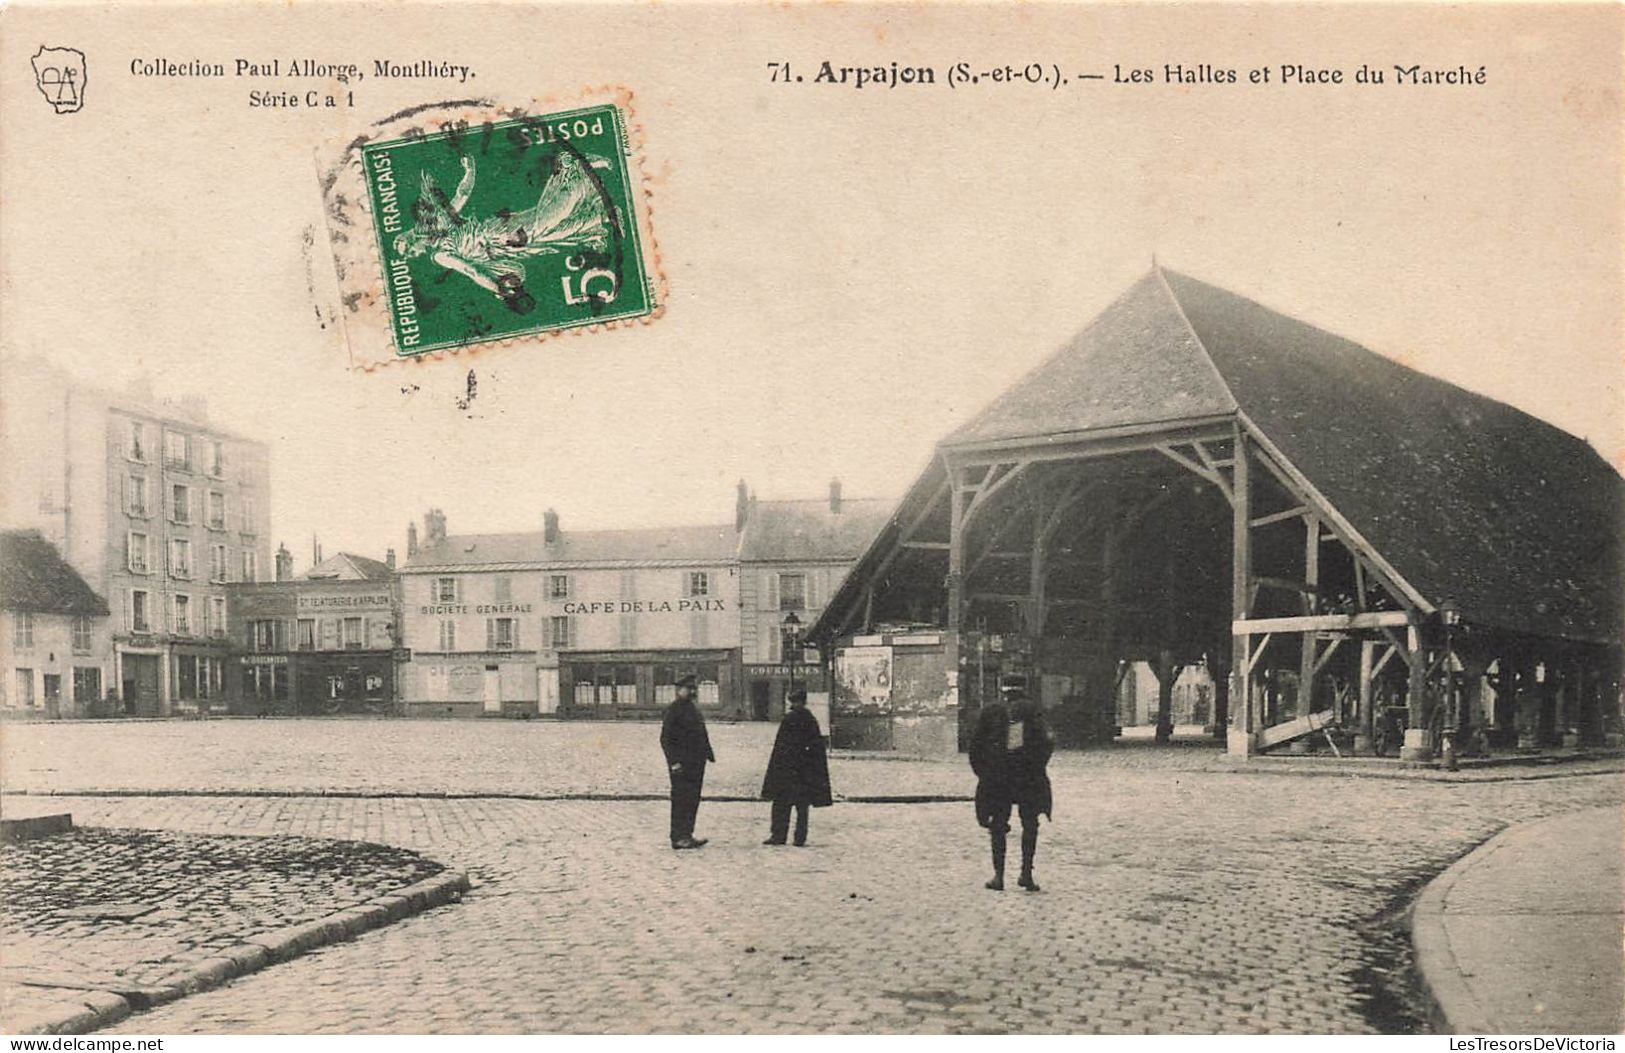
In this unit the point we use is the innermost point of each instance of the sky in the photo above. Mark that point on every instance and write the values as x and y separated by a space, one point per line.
850 273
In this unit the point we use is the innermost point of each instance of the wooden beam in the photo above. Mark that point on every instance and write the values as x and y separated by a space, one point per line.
1326 655
985 493
1298 485
1295 729
1241 592
1307 666
1320 622
1276 517
1252 659
956 556
934 546
1213 429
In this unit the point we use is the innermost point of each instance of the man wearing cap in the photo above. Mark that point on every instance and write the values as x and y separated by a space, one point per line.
687 747
1009 754
797 773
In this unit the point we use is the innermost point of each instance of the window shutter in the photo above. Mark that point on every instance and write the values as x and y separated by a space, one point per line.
490 634
129 608
569 631
770 592
812 589
547 633
170 604
514 631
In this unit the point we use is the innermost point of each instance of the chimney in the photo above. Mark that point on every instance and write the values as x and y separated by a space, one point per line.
315 551
284 563
389 558
835 496
741 506
411 540
550 527
434 527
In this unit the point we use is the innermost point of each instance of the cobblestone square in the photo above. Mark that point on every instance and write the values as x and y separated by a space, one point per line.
1178 896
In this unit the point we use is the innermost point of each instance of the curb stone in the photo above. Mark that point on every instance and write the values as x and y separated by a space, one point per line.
97 1009
1452 1008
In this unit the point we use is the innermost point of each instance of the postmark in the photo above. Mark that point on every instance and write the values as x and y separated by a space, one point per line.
459 226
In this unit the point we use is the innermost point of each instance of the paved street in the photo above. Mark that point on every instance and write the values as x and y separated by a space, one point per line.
126 909
1177 896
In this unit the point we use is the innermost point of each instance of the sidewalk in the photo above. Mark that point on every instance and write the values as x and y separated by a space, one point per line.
1523 934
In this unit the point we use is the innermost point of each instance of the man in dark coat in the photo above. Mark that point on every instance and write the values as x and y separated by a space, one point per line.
1009 754
687 748
798 772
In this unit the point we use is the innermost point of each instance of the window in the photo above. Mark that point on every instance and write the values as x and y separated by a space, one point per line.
561 632
558 586
335 686
140 613
217 459
217 510
375 685
217 616
626 685
180 558
186 676
327 631
251 566
502 587
448 635
22 629
699 583
136 553
87 683
249 525
307 634
629 630
177 450
137 448
81 633
353 634
501 634
583 692
217 564
263 633
25 688
665 685
445 590
135 495
182 621
208 676
792 592
180 503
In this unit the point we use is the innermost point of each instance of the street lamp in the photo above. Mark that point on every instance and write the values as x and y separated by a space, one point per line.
792 638
1450 615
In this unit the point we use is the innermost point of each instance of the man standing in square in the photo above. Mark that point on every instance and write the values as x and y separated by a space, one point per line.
687 748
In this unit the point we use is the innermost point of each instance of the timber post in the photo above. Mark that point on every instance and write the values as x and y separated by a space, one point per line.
1239 739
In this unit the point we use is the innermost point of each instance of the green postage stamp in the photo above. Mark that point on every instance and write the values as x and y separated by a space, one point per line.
491 229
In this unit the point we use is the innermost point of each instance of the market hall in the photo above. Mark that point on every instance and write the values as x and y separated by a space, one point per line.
1354 553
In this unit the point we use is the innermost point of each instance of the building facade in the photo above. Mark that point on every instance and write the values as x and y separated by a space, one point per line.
321 643
55 651
793 555
156 508
574 624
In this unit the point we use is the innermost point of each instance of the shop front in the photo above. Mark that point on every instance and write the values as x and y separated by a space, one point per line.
637 685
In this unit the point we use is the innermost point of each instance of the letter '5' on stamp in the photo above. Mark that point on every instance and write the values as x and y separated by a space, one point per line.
481 227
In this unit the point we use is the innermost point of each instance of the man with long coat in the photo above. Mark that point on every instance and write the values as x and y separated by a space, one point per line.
798 772
1009 754
687 747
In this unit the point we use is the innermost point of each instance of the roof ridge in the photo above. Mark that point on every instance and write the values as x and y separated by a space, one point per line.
1207 356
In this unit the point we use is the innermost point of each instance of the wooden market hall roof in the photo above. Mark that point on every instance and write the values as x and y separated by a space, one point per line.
1467 498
